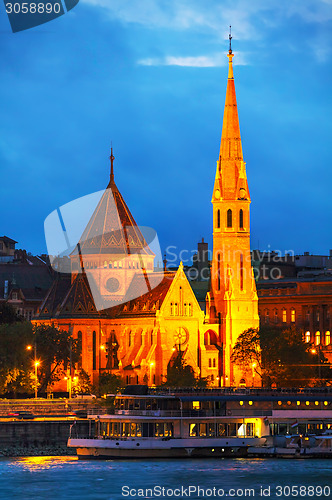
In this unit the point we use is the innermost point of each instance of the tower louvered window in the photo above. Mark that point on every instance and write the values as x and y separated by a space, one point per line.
241 219
229 218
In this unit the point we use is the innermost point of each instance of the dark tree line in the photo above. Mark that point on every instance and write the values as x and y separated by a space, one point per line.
281 357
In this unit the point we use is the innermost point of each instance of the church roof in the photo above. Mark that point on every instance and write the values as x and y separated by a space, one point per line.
149 293
54 297
112 228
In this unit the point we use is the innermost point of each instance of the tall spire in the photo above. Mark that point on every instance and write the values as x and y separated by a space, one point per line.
230 56
230 147
112 158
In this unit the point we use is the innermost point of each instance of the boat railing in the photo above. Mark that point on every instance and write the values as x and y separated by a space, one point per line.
239 390
173 413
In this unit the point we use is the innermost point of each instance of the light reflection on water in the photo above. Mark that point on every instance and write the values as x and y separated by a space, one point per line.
48 478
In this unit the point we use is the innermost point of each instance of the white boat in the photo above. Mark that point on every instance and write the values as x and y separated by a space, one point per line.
207 424
167 427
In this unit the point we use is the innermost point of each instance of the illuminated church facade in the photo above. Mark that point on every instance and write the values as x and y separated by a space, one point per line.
148 316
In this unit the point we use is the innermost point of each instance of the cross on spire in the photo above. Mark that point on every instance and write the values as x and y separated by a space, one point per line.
112 158
230 39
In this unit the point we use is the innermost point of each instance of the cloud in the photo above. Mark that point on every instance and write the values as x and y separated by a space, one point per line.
214 15
211 61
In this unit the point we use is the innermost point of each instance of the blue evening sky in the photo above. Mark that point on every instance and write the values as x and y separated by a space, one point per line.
150 76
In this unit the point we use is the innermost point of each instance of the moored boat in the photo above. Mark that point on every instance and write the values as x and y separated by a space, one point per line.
206 424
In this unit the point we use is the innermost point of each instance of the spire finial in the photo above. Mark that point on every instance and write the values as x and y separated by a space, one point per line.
230 40
112 158
230 55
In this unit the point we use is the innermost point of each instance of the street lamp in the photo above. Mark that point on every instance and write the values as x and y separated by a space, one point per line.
36 363
314 351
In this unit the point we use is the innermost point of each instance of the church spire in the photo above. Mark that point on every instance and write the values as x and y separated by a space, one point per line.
230 147
112 158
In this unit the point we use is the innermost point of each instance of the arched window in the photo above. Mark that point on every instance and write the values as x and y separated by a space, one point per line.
79 340
218 218
241 219
176 309
307 337
110 264
267 316
241 272
172 309
105 264
317 338
284 316
276 316
293 316
94 350
218 270
190 307
327 338
229 218
185 309
214 362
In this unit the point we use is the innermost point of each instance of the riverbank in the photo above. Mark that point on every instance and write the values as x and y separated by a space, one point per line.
39 437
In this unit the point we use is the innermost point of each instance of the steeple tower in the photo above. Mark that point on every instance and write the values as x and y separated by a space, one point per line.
233 298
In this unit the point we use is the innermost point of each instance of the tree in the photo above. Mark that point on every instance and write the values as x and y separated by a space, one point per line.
247 351
16 373
8 314
83 384
109 383
55 348
180 374
280 356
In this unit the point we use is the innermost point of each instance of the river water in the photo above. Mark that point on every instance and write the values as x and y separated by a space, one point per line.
41 478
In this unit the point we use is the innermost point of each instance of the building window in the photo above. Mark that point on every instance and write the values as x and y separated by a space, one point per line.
105 264
307 337
241 272
317 338
185 309
176 309
94 350
284 316
317 316
241 219
214 362
14 296
229 218
79 340
210 362
218 270
267 316
293 315
218 219
276 316
110 264
172 309
327 338
190 306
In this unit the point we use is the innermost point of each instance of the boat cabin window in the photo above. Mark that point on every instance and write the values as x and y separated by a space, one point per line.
235 429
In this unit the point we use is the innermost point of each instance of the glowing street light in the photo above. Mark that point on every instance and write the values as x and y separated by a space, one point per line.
36 363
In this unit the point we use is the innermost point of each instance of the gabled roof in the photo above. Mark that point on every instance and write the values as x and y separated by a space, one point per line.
148 294
54 297
7 240
112 228
78 301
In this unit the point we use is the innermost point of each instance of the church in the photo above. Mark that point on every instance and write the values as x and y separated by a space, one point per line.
132 320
